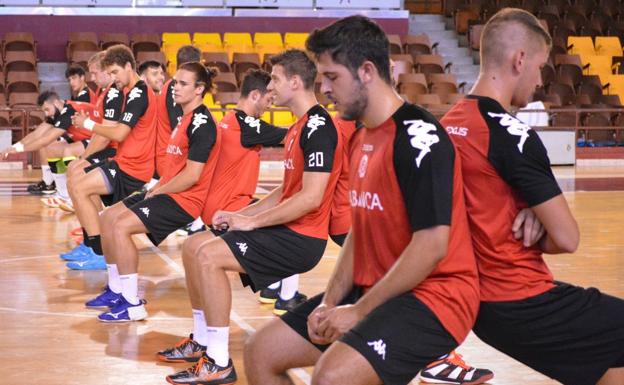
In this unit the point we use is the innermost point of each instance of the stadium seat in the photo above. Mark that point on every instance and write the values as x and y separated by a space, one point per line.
209 100
599 65
237 42
417 45
208 41
18 41
591 86
22 82
147 56
219 60
616 85
396 45
145 42
216 115
581 45
427 100
569 67
242 62
443 83
295 40
224 98
81 41
566 93
176 38
20 61
268 39
430 64
608 46
416 83
451 98
283 118
226 82
23 99
109 39
81 58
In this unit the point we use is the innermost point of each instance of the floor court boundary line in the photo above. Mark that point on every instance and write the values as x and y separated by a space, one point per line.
238 320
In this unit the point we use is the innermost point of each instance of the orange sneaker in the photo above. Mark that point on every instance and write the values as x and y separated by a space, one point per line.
451 369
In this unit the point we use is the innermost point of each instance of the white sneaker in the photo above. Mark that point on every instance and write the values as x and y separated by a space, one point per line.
65 204
51 201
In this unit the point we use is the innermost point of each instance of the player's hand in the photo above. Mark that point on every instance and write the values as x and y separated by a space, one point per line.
527 227
79 118
339 320
5 153
315 318
240 222
220 220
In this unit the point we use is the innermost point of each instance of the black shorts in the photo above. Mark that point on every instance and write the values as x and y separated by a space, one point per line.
120 184
571 334
69 140
398 338
102 155
160 214
338 238
270 254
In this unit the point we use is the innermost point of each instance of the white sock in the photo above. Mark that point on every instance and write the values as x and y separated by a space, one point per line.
114 283
47 174
197 224
199 327
151 183
130 287
61 185
217 345
289 287
275 285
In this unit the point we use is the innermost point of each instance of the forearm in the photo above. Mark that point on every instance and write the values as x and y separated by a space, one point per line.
179 183
416 262
40 142
269 201
548 246
341 280
287 211
117 132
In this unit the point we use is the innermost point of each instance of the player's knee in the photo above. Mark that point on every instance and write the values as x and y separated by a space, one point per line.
189 249
325 375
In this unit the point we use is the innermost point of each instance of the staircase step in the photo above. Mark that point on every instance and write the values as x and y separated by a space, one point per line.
428 18
427 26
60 87
442 35
52 72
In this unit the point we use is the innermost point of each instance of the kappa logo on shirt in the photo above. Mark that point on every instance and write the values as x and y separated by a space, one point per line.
172 94
112 94
314 122
242 246
421 139
135 93
64 110
81 93
198 120
380 347
514 127
145 211
112 172
252 122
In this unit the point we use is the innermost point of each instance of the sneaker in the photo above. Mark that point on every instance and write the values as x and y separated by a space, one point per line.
91 262
188 230
78 253
205 372
108 299
41 188
187 350
124 311
451 369
268 295
282 306
66 205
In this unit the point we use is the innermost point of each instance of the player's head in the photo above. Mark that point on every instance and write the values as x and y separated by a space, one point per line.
514 46
49 101
352 55
119 63
186 54
96 73
254 92
293 73
192 82
75 74
153 74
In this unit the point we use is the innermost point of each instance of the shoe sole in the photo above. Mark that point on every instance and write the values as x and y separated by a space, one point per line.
279 312
66 208
177 360
267 301
120 321
212 382
475 382
103 307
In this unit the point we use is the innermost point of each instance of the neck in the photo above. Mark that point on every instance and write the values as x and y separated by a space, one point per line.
494 86
192 105
300 104
382 104
246 106
134 79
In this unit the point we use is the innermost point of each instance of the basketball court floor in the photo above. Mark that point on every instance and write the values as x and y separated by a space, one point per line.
48 337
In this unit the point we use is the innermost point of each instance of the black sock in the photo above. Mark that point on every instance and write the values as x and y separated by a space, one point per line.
53 166
96 244
85 238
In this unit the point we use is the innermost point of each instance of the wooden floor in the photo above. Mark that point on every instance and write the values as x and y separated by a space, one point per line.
48 337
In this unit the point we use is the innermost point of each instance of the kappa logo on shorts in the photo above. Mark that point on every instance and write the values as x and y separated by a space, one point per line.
96 160
112 172
514 127
380 347
242 246
421 139
145 211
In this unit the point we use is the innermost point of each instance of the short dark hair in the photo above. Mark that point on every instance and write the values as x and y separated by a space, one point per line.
297 62
118 54
47 96
203 74
255 79
74 69
187 53
150 64
350 42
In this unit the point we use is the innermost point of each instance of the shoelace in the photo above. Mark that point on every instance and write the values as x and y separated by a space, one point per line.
183 342
457 359
199 365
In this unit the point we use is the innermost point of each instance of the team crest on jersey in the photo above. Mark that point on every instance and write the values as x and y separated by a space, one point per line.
198 120
253 123
314 122
363 166
514 127
135 93
421 139
112 93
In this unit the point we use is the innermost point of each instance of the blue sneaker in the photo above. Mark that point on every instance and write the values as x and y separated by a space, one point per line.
125 312
91 262
78 253
106 299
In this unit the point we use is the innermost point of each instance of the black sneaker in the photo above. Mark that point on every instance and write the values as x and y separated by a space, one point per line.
205 372
187 350
282 306
41 188
268 295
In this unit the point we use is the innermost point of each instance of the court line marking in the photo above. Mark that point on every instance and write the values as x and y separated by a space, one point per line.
18 259
240 321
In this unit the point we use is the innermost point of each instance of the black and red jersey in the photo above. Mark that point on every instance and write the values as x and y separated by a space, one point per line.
312 144
136 152
63 119
195 138
505 169
110 104
404 177
236 175
169 115
85 95
340 217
